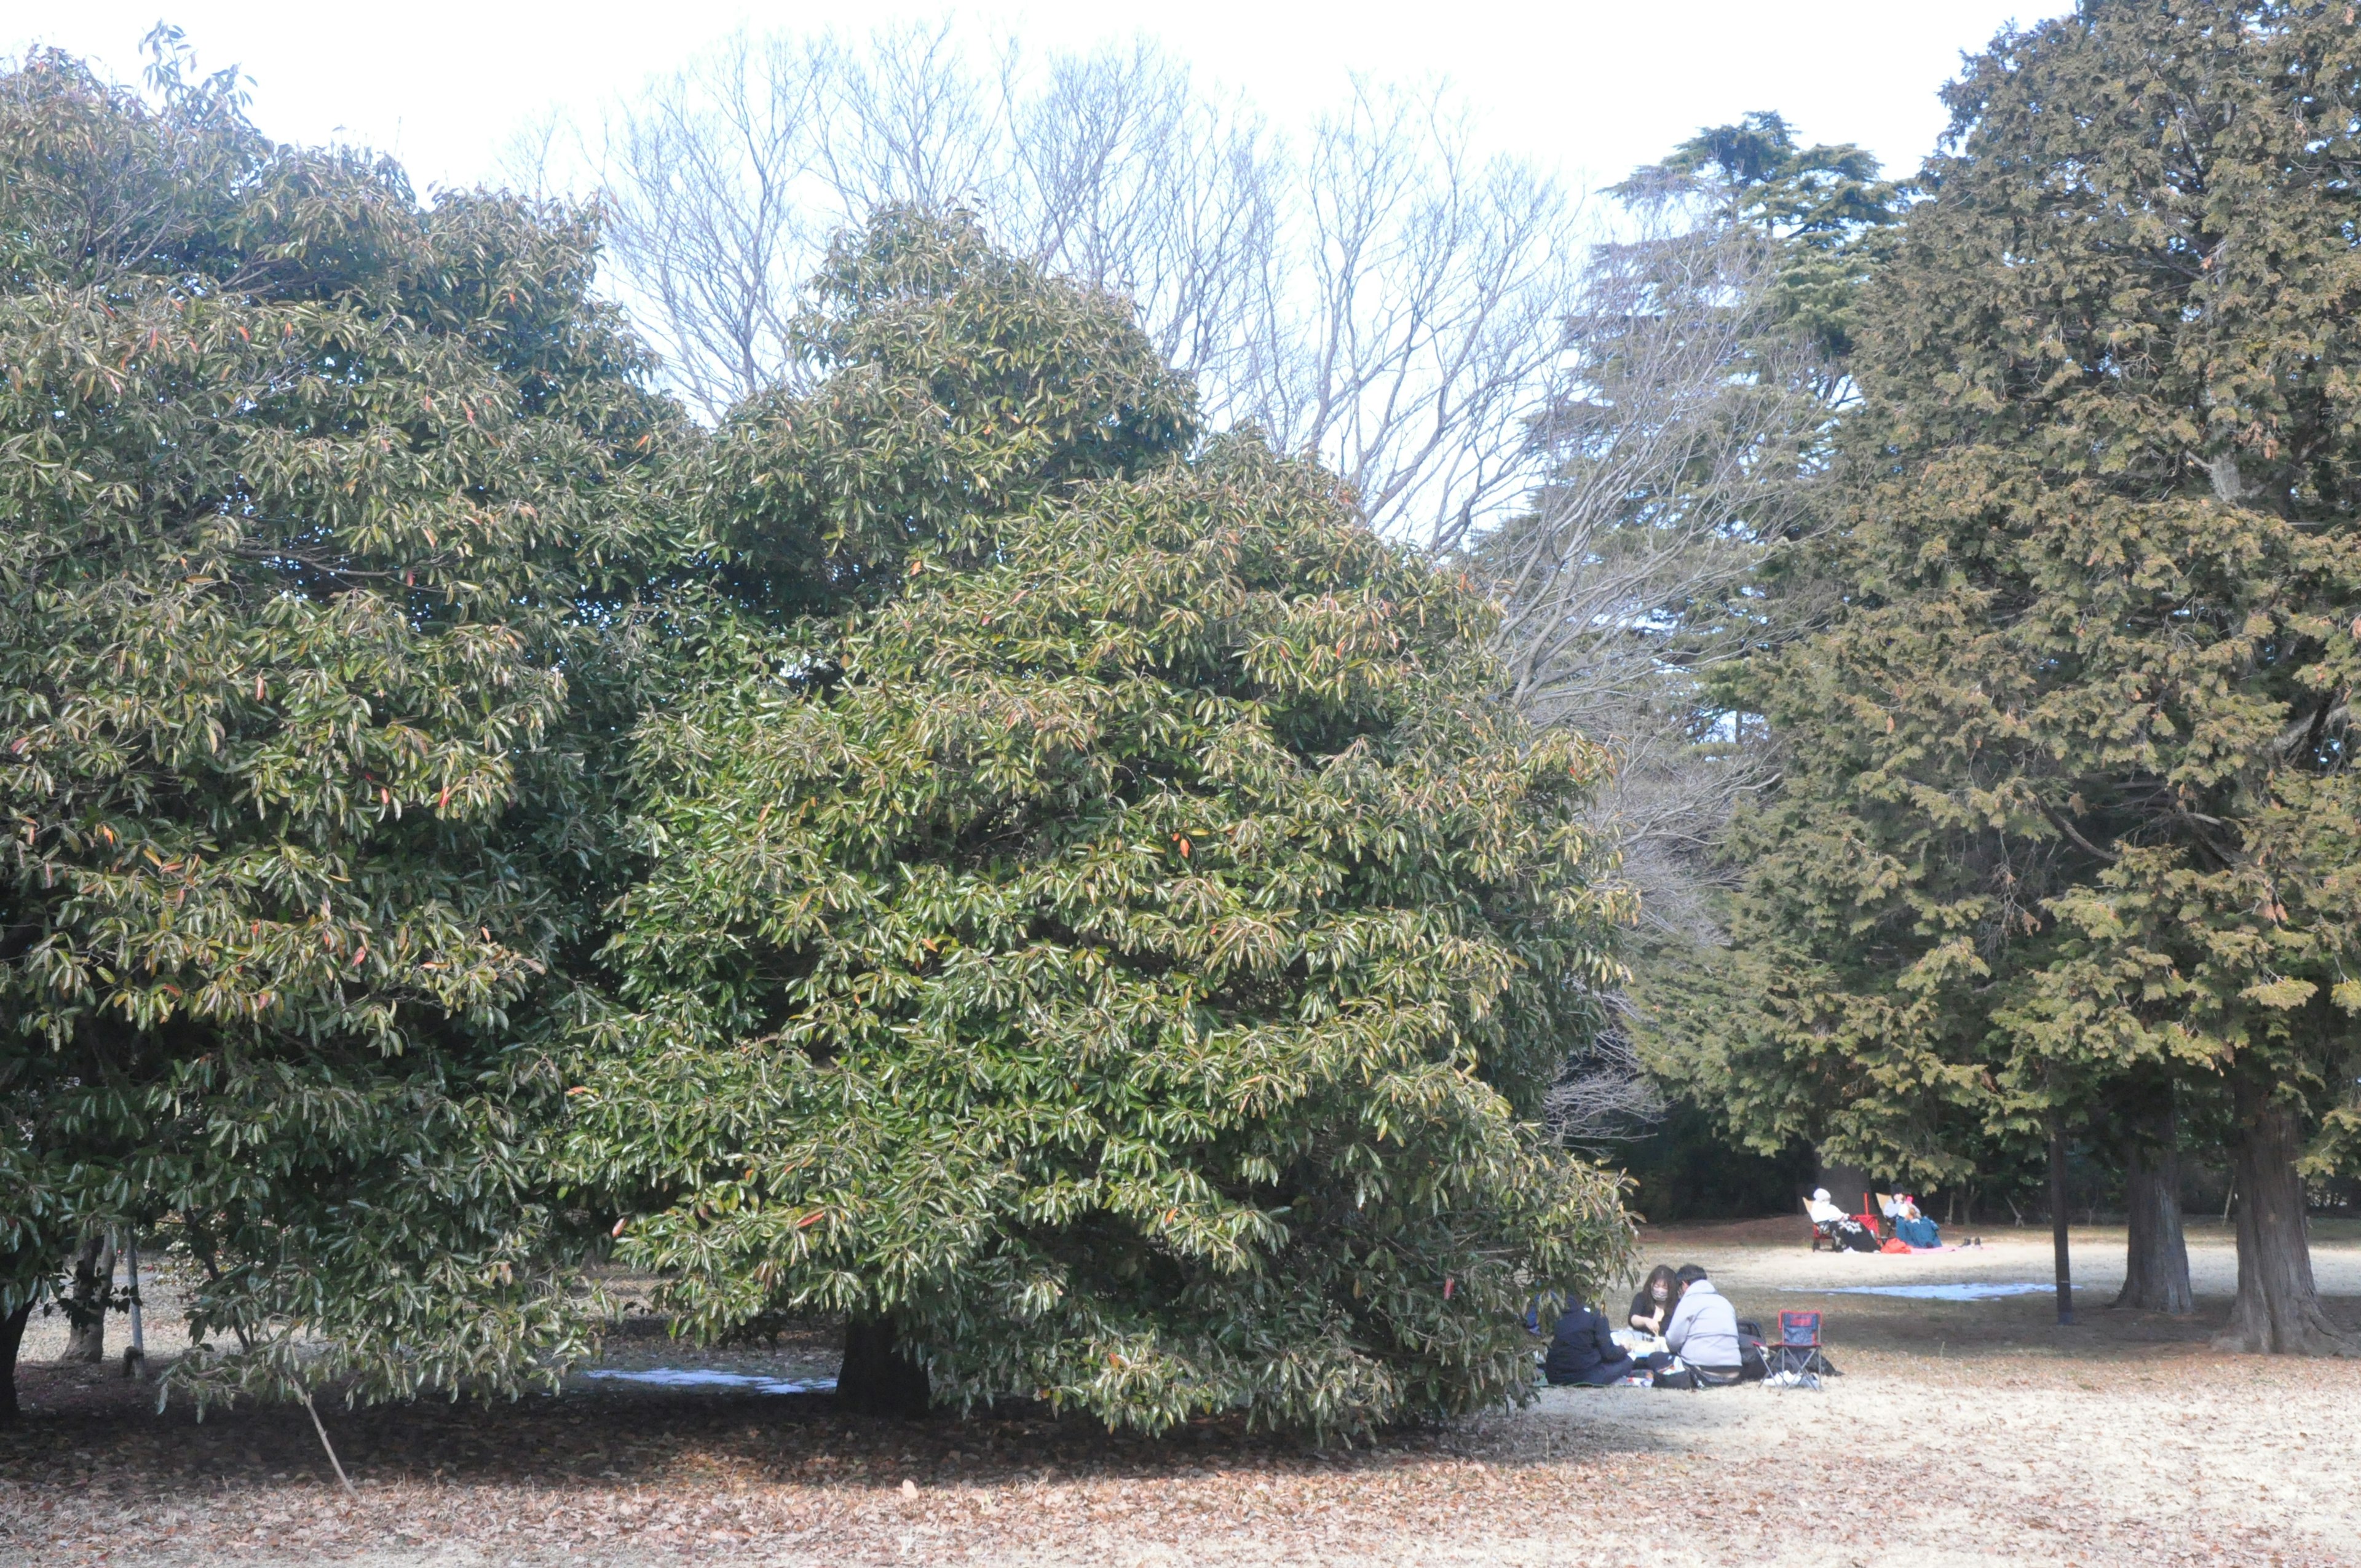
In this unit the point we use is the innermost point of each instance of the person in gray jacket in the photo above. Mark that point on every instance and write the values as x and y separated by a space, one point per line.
1704 1330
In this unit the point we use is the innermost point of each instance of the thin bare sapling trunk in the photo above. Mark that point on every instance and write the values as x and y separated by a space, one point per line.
11 1337
2061 1255
328 1448
2278 1311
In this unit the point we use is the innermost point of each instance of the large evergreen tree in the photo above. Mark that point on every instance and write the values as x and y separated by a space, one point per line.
1120 964
302 650
2069 815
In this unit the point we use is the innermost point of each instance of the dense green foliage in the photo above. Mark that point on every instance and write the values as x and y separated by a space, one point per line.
308 493
1128 960
1686 1166
1094 916
2069 812
924 423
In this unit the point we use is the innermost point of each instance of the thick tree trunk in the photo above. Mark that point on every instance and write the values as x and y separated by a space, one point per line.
2155 1262
11 1335
2278 1312
876 1379
93 1290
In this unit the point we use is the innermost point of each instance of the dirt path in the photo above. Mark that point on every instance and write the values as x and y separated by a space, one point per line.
1963 1433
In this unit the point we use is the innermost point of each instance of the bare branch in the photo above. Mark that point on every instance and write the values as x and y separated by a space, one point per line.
1604 1095
1381 296
1678 443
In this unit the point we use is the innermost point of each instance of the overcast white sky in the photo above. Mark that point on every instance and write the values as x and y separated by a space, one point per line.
1591 86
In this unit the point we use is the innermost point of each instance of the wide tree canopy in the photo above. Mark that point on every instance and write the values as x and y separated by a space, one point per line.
2069 818
1124 966
308 493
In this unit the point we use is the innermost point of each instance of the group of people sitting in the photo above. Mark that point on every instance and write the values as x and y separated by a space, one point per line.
1679 1309
1913 1232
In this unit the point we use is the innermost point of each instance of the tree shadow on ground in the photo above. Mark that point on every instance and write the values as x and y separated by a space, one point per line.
86 1426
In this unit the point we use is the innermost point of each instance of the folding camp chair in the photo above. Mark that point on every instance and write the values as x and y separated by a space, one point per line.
1889 1207
1795 1360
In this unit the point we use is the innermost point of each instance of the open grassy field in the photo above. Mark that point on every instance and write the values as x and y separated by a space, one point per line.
1961 1433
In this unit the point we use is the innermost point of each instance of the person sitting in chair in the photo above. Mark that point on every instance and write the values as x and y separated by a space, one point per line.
1914 1230
1583 1350
1703 1333
1837 1225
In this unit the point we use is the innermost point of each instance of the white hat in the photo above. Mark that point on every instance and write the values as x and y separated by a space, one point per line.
1819 1195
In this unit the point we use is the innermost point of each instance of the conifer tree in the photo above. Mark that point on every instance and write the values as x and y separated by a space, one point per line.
1824 211
1118 959
2069 814
301 666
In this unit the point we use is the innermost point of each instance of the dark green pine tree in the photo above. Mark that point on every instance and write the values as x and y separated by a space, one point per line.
304 668
1120 960
2070 816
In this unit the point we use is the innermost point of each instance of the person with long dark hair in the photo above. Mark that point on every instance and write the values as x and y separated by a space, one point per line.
1652 1309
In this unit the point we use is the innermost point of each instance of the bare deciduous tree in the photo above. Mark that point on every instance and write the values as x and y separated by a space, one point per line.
1425 330
707 185
1604 1093
1678 449
1379 294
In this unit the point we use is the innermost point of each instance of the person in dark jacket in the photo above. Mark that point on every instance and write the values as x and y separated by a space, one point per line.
1583 1350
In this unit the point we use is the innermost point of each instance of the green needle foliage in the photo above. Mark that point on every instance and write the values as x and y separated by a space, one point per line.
304 672
2070 812
1123 967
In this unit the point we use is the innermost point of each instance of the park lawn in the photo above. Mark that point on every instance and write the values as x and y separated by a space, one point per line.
1961 1433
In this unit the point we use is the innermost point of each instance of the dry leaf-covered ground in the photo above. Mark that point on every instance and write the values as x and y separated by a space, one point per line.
1961 1433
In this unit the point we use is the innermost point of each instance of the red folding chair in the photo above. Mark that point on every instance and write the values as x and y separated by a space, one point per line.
1798 1353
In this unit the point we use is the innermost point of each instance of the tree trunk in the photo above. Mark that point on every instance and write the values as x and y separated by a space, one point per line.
2155 1262
876 1379
2060 1254
93 1290
12 1335
2278 1312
